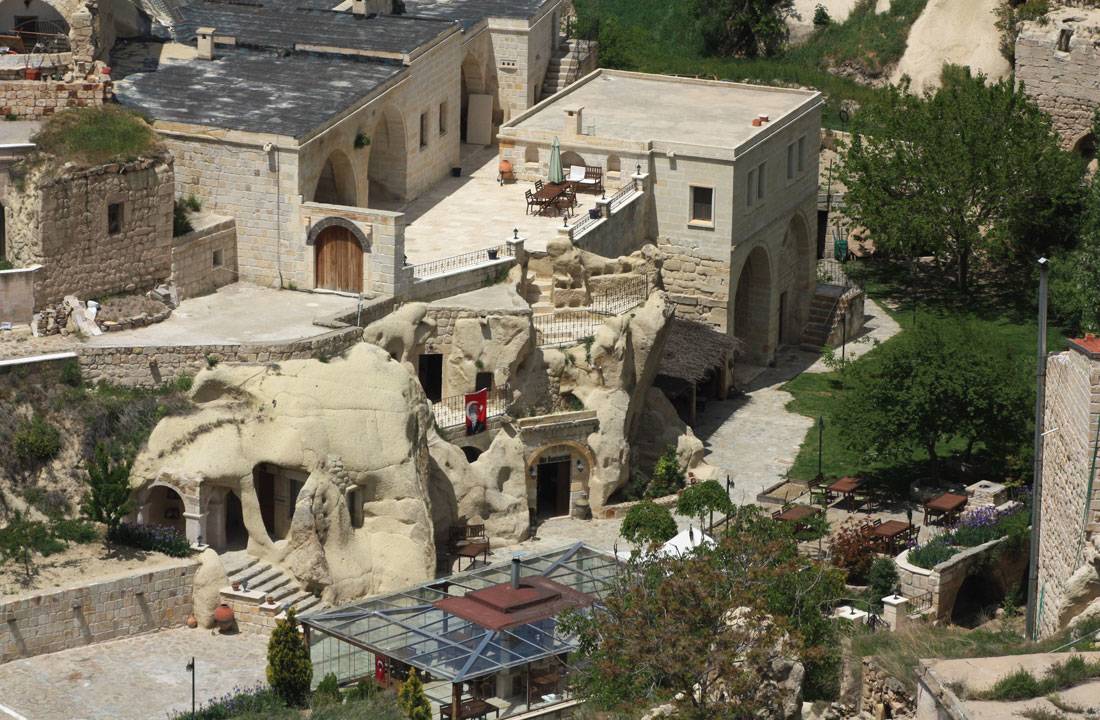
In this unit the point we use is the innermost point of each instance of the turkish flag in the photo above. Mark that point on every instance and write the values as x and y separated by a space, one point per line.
477 411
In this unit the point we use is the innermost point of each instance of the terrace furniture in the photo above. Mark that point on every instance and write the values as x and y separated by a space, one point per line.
545 683
593 178
566 201
797 515
538 185
535 201
946 507
548 194
470 541
819 492
473 708
891 534
849 488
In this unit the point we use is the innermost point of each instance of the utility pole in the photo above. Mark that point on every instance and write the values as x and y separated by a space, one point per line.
1037 483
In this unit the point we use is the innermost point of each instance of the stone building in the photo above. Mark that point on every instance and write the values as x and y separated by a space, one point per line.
92 231
734 177
371 112
1058 64
1069 544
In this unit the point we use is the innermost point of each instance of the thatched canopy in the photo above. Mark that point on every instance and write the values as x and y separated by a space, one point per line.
693 350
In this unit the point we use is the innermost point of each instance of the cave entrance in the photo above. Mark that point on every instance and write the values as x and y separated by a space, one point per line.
277 491
430 372
553 480
236 535
165 508
977 601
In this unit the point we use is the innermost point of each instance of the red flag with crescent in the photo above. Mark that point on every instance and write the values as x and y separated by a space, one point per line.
477 411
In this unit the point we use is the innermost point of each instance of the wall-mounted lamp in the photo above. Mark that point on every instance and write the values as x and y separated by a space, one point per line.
580 465
533 471
639 168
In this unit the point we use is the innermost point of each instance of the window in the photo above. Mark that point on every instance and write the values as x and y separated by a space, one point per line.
423 130
1064 37
355 506
483 381
702 205
216 259
760 181
801 153
443 118
750 188
790 161
114 218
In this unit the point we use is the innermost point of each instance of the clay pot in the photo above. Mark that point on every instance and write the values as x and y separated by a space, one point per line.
32 73
223 617
505 167
192 621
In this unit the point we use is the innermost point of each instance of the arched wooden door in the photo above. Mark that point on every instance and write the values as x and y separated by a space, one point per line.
339 261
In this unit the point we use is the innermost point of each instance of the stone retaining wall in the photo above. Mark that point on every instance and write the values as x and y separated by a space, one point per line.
48 622
154 365
625 228
36 99
206 259
251 611
460 281
883 695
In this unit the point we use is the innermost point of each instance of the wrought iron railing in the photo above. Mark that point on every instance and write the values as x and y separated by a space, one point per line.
451 411
442 266
624 296
832 272
585 223
620 196
568 326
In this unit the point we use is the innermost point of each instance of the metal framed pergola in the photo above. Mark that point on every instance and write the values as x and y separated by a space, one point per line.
408 627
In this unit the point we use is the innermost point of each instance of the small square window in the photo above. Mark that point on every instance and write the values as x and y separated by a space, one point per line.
423 130
790 161
760 181
216 259
443 118
750 188
702 204
114 218
801 153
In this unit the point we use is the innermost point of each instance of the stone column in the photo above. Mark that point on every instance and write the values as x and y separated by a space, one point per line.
895 611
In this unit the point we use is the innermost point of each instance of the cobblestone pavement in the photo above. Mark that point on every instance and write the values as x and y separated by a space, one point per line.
137 678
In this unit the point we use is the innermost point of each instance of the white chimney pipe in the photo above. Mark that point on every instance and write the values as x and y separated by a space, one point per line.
205 43
359 7
517 563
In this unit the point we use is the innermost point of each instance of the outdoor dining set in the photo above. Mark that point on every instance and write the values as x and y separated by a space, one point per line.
559 192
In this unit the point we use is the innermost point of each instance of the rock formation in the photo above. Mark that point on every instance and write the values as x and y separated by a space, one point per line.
210 578
357 425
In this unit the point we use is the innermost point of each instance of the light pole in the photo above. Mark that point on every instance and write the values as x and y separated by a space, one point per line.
191 669
1037 485
820 443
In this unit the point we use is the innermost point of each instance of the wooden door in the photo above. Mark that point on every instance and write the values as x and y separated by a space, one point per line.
339 263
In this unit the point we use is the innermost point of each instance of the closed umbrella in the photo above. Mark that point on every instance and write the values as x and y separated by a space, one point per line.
555 175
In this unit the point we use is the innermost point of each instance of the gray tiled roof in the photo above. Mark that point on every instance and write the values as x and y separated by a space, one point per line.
283 27
255 91
470 12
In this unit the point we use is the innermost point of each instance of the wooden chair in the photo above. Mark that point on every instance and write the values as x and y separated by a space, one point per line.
819 492
593 178
566 201
470 541
532 202
538 185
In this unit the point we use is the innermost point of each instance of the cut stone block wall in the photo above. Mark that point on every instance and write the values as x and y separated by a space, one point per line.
17 294
460 281
625 229
48 622
61 223
193 255
37 99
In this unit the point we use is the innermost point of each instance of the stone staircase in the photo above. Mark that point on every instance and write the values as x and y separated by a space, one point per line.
822 317
267 578
563 69
539 291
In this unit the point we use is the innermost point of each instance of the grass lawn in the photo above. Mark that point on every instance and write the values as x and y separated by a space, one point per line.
661 37
1006 312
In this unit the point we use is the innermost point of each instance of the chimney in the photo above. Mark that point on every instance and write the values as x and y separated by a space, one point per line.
516 565
205 43
359 7
573 122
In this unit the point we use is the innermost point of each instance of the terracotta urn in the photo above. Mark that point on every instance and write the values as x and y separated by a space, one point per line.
223 617
505 167
192 621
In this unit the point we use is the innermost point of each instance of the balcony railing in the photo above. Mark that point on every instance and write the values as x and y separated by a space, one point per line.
620 196
568 326
451 411
434 268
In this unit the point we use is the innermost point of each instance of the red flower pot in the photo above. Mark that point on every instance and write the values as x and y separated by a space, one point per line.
32 73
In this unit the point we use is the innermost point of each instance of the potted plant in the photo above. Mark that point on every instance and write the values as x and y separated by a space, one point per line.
456 172
492 253
594 213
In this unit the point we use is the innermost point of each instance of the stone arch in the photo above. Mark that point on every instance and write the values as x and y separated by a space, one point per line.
569 158
472 83
752 310
531 153
336 185
571 486
38 19
165 506
387 166
333 221
225 524
796 279
1085 145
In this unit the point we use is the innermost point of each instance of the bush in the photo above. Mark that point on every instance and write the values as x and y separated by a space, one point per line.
181 224
80 532
379 706
648 523
327 692
932 553
108 499
882 579
412 700
851 550
260 702
70 374
36 440
701 499
1020 685
22 537
667 478
289 669
821 16
154 538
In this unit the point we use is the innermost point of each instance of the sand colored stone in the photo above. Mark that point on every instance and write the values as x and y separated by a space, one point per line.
959 33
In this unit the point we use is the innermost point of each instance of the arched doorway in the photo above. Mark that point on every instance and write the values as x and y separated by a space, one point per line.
336 184
35 21
569 159
752 310
557 472
277 491
386 170
164 507
338 260
1085 146
473 83
236 534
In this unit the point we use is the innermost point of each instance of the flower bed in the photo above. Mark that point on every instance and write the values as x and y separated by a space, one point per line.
974 528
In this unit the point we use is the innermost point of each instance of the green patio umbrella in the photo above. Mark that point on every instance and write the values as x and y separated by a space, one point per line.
555 175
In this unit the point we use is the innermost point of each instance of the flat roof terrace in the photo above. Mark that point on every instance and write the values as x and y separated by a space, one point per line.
643 108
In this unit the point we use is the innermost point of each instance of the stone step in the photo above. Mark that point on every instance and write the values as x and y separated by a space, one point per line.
251 573
284 592
249 562
262 579
306 604
274 584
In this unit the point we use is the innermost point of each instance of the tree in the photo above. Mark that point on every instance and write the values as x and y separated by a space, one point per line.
972 167
647 523
942 381
747 28
1075 276
21 538
668 628
702 499
289 669
108 499
668 476
412 700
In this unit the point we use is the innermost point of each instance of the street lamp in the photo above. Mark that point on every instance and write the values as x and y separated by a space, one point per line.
820 443
191 669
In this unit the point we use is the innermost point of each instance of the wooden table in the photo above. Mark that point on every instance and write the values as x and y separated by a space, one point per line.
549 193
848 487
542 684
473 550
890 531
473 708
797 515
947 505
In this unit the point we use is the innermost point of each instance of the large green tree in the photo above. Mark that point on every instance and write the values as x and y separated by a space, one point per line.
944 381
289 669
744 28
972 168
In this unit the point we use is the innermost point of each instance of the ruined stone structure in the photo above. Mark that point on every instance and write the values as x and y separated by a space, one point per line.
94 231
1058 63
1069 545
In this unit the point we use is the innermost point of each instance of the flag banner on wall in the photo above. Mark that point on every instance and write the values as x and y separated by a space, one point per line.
477 411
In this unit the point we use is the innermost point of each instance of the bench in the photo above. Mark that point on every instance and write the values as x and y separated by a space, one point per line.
470 541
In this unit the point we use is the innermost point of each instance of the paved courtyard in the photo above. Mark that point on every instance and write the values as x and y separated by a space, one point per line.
136 678
238 313
472 212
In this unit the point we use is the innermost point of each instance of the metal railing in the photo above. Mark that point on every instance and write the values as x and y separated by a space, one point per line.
622 297
619 198
442 266
451 411
832 272
569 326
584 224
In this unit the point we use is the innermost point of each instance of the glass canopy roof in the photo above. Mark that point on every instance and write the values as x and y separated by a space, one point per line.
406 626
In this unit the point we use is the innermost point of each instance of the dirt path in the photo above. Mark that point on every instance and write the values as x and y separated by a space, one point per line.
960 32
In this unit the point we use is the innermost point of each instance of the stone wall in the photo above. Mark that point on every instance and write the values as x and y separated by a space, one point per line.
205 259
152 366
848 318
1070 519
17 294
1064 83
51 621
883 695
62 223
624 228
251 611
37 99
460 281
